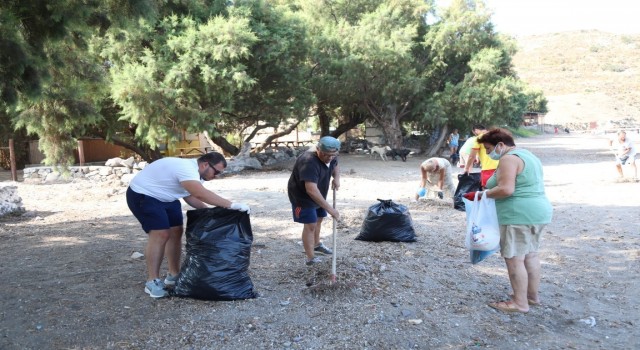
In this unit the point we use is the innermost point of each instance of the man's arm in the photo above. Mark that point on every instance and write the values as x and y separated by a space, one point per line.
336 177
627 149
314 193
194 202
472 158
199 195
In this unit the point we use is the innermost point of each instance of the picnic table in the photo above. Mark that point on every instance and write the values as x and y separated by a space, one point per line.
192 152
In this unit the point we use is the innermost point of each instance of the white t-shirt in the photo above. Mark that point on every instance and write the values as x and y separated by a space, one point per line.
161 179
622 146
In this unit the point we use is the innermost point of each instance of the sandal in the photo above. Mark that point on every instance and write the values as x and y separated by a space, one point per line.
533 302
506 306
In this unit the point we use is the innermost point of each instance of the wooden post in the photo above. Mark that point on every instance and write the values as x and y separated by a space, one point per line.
12 160
81 152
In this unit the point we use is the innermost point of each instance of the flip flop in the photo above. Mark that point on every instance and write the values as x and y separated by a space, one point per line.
506 306
533 303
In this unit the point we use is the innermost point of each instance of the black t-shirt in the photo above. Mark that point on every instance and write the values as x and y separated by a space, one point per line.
310 168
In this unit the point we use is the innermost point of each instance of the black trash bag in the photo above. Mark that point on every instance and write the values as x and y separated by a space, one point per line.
387 221
466 183
218 253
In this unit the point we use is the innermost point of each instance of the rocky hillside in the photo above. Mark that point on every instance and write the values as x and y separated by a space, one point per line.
587 76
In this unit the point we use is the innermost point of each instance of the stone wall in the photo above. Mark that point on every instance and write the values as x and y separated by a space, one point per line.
121 175
121 171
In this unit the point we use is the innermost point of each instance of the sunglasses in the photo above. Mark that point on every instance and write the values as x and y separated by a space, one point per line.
216 172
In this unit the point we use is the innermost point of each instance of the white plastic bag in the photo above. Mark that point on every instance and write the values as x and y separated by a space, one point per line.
483 230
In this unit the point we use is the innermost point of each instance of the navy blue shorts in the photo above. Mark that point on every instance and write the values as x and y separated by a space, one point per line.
307 215
152 213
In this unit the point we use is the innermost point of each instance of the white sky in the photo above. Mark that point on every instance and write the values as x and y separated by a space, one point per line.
528 17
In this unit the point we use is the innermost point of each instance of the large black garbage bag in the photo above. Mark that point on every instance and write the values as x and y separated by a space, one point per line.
466 183
218 253
387 221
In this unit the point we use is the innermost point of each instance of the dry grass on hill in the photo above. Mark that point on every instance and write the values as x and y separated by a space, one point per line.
586 75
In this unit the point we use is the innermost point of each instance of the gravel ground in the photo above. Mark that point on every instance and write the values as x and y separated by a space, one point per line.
70 281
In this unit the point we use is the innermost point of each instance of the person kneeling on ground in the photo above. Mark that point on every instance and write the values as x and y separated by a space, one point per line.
307 189
437 173
154 196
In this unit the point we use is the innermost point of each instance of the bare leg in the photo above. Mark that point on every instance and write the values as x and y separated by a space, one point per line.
155 252
173 250
619 167
308 238
316 232
518 277
532 265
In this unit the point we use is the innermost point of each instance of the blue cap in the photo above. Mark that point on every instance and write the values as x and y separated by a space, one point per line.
329 144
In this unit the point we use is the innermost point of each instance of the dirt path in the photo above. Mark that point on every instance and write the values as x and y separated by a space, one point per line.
69 281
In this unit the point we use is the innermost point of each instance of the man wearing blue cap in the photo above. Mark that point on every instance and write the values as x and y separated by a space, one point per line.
308 187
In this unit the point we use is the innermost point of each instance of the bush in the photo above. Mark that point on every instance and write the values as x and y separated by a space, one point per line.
523 132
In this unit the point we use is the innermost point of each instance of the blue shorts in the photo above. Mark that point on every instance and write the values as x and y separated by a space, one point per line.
152 213
307 215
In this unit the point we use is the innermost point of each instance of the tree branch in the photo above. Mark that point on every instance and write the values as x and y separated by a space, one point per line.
275 136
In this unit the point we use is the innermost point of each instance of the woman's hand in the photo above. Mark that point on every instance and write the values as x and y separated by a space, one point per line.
472 195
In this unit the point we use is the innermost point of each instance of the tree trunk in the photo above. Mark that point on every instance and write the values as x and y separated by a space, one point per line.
436 148
352 120
323 118
268 140
389 118
393 133
227 147
147 154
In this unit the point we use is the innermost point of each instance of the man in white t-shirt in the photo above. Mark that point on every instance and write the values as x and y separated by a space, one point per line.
625 152
154 197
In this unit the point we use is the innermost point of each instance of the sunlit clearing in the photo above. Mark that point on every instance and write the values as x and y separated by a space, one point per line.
64 241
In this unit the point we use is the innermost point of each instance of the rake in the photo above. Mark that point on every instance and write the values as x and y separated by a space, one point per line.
335 250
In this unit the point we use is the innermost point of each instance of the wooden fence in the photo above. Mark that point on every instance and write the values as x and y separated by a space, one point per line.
88 151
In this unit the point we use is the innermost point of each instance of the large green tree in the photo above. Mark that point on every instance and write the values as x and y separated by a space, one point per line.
50 82
138 73
223 73
470 78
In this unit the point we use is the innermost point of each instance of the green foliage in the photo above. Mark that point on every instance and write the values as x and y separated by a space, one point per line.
223 74
140 72
484 96
181 80
523 132
66 107
537 101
